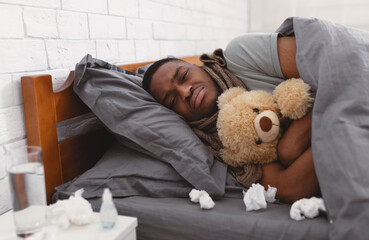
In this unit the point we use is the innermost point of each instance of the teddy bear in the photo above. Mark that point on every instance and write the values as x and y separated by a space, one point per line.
248 122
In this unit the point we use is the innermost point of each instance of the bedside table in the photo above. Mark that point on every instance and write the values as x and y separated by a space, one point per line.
124 229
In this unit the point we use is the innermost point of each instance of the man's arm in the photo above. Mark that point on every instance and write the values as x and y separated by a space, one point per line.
297 181
287 56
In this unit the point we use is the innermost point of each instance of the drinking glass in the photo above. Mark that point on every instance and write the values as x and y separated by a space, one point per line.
27 184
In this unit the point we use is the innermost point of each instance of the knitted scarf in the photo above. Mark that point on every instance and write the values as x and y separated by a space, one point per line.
215 65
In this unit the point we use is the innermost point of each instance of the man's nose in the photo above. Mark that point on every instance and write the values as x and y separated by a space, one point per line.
185 92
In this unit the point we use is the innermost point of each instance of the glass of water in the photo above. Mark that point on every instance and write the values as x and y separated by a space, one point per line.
27 184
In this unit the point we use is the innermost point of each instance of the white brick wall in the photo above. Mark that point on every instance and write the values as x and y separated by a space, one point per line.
107 27
139 29
126 8
79 21
51 36
89 6
66 53
11 123
11 23
22 55
169 31
40 22
6 97
35 3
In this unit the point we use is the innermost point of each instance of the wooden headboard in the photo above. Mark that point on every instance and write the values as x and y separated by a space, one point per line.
44 108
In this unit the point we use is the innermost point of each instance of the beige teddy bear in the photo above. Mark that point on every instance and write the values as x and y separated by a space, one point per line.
249 121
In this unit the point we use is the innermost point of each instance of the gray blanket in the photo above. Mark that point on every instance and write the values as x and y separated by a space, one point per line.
334 60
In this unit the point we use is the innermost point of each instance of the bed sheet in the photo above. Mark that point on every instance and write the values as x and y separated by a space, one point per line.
179 218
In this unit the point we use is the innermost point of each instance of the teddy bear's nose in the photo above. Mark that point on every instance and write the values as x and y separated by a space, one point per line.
265 124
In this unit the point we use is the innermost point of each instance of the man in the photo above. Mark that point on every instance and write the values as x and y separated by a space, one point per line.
260 61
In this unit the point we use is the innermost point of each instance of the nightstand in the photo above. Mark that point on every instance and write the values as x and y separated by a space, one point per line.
124 229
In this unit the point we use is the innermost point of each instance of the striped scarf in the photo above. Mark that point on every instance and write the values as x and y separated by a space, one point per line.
215 65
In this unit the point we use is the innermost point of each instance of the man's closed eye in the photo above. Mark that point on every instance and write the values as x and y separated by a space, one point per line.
184 76
173 102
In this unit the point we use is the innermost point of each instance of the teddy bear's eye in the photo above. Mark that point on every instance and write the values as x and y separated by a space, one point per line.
256 110
258 142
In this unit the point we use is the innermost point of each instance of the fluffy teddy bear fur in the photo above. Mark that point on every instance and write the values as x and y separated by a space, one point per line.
238 109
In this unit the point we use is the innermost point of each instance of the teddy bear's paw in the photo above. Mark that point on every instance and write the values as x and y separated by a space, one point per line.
293 98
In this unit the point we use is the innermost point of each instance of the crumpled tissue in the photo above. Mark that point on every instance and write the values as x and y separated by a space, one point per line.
307 207
256 197
206 202
75 210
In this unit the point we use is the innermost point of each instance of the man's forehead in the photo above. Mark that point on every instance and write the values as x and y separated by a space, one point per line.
161 78
166 71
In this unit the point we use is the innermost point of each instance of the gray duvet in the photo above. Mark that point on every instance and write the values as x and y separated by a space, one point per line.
334 60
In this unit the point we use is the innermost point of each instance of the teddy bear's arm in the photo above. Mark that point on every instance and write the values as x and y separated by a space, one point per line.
293 98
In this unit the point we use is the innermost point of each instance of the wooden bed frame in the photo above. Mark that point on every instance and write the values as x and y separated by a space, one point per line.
44 108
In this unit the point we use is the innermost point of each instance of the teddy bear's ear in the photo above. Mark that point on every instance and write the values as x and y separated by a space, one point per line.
228 95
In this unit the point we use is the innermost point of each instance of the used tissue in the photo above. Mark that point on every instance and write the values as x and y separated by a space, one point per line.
306 207
75 210
256 197
206 202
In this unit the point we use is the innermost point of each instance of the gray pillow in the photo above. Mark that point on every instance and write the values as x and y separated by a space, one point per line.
127 172
137 121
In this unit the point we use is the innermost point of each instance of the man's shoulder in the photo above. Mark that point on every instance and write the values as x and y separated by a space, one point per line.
249 40
248 50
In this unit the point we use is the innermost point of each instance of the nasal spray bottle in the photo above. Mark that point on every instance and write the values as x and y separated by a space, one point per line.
108 212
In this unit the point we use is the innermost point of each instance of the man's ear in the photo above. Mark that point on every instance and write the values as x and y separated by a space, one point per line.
228 95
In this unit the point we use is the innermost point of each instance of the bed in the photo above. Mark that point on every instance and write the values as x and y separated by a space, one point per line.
150 158
71 161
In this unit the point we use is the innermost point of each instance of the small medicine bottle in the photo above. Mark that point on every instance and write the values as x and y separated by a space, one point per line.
108 212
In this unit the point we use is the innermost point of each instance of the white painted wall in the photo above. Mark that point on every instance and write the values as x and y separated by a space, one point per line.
51 36
267 15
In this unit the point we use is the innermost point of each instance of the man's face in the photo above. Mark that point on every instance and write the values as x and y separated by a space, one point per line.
186 89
